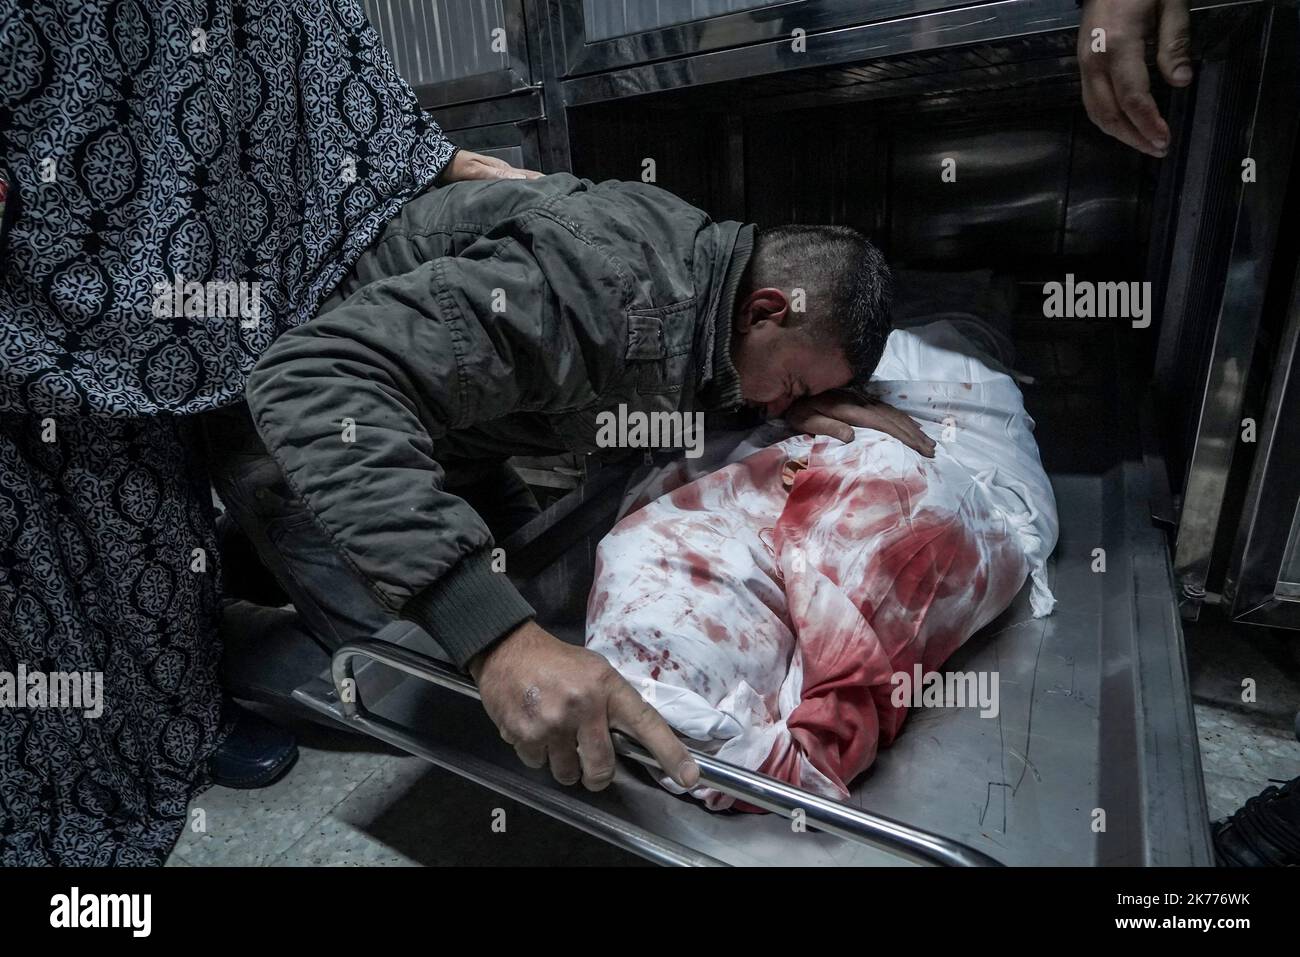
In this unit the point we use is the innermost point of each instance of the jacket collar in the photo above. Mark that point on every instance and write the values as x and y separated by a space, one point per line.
720 386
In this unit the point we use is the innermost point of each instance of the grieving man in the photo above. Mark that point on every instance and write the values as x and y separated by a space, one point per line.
508 318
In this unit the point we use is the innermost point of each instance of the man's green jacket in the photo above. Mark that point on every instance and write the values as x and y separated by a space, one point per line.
491 319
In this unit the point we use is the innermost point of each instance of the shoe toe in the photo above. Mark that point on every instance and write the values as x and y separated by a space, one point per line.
254 754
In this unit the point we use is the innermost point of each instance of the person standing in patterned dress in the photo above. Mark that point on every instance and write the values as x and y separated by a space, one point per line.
153 148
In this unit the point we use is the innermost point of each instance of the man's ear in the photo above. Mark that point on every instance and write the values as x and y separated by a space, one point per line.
762 305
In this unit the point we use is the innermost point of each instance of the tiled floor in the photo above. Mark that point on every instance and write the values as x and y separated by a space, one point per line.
1245 745
350 801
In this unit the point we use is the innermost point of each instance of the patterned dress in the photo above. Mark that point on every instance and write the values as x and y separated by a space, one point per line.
156 150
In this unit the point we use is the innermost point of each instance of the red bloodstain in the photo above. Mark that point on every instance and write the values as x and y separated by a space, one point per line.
663 529
640 651
936 556
599 600
688 498
701 576
716 632
763 468
812 489
720 635
634 518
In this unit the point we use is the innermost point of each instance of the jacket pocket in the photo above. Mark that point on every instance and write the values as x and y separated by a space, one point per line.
264 493
660 348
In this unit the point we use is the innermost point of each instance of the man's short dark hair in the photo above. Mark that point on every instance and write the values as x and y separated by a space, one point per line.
846 283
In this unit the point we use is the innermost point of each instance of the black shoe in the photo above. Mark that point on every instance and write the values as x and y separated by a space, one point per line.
254 754
1264 832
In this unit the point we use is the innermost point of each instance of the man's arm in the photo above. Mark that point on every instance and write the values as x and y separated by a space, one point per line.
350 406
837 413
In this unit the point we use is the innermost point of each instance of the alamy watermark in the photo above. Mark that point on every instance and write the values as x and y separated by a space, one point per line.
1098 300
80 690
951 689
634 429
215 299
76 910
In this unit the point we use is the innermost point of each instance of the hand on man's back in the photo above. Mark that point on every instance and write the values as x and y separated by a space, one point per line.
467 165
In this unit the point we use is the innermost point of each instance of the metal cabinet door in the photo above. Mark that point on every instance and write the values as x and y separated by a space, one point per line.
453 51
514 142
596 35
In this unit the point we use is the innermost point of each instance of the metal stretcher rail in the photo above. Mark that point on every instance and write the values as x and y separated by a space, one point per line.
757 789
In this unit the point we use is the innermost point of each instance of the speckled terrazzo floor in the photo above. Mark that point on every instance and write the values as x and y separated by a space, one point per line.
1245 745
349 801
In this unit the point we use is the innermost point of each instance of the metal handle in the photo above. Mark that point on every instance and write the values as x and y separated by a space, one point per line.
759 790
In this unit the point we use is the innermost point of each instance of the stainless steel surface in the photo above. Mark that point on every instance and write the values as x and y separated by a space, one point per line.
450 50
509 127
535 794
1094 714
1009 200
825 815
1183 288
587 48
1104 208
1038 186
514 155
443 48
514 143
605 19
517 109
758 43
1263 582
999 75
1287 586
1267 128
1095 711
864 42
829 816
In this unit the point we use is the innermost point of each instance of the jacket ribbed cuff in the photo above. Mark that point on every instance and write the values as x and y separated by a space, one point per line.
469 608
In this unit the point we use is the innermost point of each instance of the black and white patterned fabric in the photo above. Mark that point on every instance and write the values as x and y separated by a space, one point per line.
98 531
150 144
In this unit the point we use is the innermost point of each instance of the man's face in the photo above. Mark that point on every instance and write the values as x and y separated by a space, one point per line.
777 362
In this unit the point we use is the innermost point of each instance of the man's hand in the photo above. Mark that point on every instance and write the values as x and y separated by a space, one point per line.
466 165
835 414
1116 87
555 703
